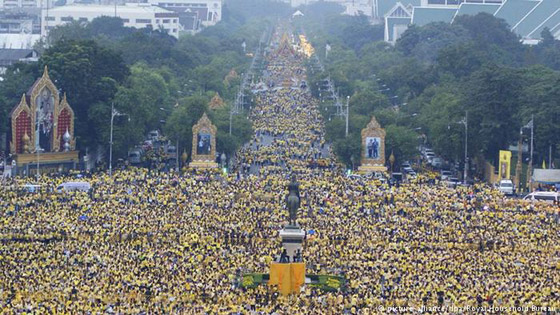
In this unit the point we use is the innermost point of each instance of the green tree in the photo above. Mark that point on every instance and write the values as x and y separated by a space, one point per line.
492 97
88 74
402 141
17 79
179 123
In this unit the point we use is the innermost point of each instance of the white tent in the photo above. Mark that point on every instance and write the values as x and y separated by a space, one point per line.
297 13
546 176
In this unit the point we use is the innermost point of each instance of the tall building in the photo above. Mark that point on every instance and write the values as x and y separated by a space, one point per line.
527 18
137 15
18 29
14 4
208 12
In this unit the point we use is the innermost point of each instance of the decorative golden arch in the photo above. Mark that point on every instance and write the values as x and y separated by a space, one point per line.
373 130
216 102
65 122
44 82
24 117
204 125
21 124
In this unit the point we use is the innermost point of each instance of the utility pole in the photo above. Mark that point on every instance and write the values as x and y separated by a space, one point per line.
230 120
113 114
111 140
465 171
347 111
519 165
38 150
530 167
550 156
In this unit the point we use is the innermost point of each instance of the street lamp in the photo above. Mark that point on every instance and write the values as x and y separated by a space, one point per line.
466 123
38 150
347 106
114 113
176 144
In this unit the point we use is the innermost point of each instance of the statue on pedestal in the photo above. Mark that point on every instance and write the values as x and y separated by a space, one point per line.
293 200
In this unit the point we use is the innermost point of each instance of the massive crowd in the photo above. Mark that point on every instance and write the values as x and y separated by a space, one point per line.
148 242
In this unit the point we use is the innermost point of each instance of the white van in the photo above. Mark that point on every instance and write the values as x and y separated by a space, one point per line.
506 187
74 186
546 196
31 188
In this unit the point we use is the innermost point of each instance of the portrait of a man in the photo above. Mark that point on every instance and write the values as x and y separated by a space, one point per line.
204 145
372 147
44 119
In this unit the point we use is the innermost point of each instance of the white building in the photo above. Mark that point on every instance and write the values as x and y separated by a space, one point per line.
13 4
137 15
209 12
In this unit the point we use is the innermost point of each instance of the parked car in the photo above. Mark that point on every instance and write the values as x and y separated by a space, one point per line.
445 175
171 152
31 188
429 156
153 135
135 157
544 196
506 187
452 182
436 162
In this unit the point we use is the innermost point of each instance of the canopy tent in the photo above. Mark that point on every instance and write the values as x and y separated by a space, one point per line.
546 176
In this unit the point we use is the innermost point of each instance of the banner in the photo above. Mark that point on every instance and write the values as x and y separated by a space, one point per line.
298 276
280 275
504 168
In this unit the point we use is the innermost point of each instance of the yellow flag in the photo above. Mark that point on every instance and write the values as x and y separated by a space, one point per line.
543 164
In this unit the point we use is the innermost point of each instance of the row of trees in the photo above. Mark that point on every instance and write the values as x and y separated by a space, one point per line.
142 71
426 83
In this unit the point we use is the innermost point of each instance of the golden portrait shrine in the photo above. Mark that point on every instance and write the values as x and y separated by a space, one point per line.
373 148
42 130
204 144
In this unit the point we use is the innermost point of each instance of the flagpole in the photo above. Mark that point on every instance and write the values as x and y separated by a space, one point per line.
550 156
530 167
519 165
466 143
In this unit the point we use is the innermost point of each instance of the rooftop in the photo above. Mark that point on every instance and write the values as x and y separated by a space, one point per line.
109 10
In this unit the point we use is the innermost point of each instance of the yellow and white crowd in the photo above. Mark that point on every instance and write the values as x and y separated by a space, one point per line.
145 242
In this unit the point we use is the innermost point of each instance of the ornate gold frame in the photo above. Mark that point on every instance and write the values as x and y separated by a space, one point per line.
204 124
373 129
22 106
45 82
64 105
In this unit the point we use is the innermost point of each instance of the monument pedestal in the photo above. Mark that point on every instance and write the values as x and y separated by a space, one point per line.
49 162
203 164
368 168
292 239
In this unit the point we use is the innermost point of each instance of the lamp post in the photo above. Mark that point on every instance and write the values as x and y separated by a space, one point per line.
114 113
519 165
347 106
176 141
38 150
465 170
530 125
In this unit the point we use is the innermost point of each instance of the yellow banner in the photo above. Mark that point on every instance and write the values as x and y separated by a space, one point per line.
274 274
504 167
288 277
298 276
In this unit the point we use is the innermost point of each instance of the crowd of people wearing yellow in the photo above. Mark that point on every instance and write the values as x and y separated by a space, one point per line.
164 243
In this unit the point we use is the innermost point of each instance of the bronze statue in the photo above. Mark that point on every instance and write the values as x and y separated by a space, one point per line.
293 200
